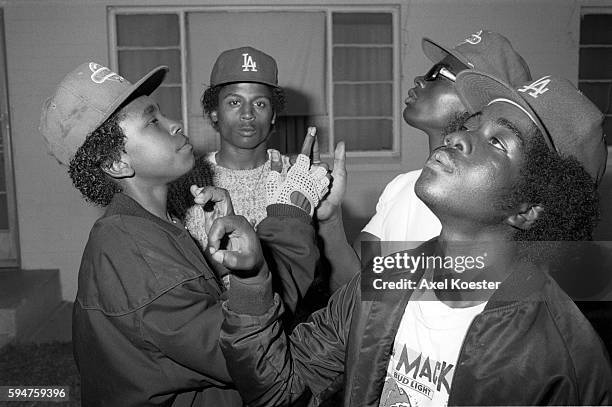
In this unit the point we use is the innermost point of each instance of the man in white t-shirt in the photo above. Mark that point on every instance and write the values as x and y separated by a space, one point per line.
434 107
514 184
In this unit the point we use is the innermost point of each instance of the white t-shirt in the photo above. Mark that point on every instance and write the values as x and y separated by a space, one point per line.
425 352
401 215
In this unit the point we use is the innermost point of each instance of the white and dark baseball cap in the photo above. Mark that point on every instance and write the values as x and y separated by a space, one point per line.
485 51
85 99
569 122
244 64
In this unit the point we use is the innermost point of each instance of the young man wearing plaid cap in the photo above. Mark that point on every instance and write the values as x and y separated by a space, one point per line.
517 179
434 107
147 315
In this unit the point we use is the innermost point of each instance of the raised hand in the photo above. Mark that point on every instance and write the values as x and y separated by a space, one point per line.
304 186
233 243
211 203
329 206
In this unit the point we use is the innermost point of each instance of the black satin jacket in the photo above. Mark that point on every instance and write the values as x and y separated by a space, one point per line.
147 315
529 346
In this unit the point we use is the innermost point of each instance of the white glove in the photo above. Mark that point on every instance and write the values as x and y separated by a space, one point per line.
311 184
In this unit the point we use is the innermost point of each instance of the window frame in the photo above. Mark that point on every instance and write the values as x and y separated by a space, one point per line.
181 11
586 10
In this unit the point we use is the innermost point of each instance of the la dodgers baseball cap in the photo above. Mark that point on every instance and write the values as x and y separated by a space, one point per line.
85 99
570 123
244 64
485 51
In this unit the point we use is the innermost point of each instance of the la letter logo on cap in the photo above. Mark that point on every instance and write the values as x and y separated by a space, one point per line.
248 64
474 38
101 74
537 88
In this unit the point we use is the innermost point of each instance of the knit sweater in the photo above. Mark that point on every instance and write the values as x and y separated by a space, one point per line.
246 187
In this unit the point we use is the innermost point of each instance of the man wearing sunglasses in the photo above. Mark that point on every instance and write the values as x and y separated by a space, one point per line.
434 107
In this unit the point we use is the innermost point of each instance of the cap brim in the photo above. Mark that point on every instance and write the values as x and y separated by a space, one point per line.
436 52
479 89
145 86
230 80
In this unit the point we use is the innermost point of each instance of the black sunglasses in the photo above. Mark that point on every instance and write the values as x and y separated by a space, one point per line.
440 70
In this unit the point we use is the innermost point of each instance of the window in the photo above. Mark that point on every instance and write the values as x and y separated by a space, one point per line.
595 70
339 67
363 80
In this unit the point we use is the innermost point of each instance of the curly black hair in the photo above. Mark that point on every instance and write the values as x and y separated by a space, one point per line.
103 146
179 194
559 184
210 100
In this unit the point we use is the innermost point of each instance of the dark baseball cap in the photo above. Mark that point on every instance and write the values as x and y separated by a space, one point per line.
570 123
85 99
485 51
244 64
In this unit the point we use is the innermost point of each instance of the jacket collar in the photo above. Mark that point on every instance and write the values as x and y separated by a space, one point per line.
382 322
122 204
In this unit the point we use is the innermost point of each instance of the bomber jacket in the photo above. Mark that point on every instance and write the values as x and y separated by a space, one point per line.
529 346
147 315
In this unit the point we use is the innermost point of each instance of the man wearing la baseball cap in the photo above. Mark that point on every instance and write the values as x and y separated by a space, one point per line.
514 182
241 103
569 122
434 107
147 315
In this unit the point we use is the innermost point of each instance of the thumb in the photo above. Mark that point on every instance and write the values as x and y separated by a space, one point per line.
225 257
220 228
276 164
339 159
195 190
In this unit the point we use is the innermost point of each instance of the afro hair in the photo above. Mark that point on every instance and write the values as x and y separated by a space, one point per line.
101 148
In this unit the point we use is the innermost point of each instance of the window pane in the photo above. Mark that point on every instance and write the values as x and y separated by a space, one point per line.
595 63
600 94
169 100
363 64
134 64
362 28
147 30
596 29
363 100
363 135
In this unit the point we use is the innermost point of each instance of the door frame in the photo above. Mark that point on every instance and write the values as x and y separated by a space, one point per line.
14 259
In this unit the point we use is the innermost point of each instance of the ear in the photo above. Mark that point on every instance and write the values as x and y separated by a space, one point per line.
273 118
213 116
120 168
526 217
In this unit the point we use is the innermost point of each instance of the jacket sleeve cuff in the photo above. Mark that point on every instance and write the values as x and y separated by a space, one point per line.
288 211
251 296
